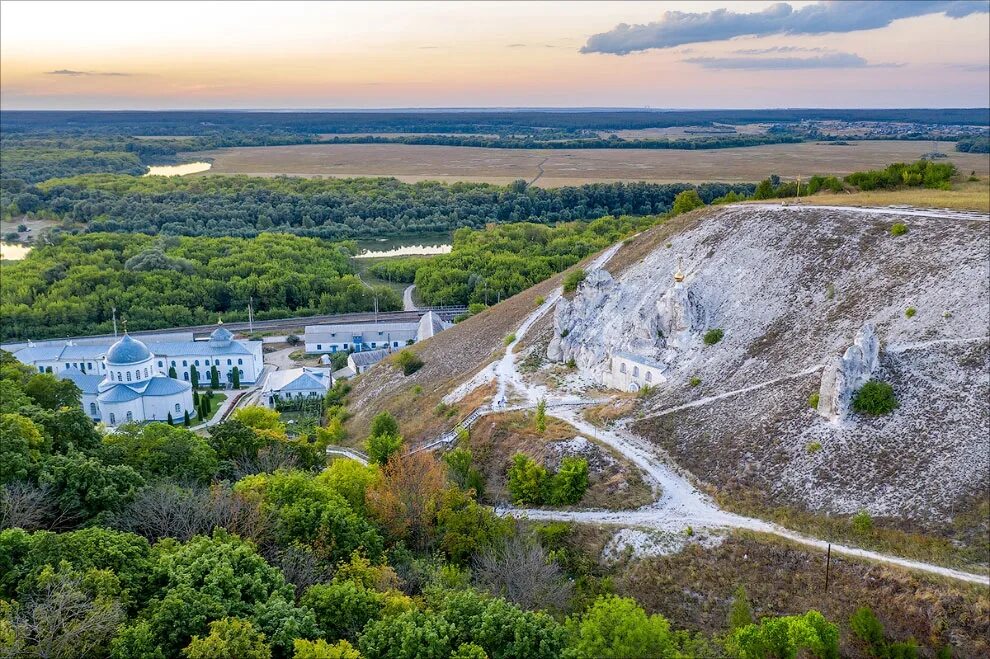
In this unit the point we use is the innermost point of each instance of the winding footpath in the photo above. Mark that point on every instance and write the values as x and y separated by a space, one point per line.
680 503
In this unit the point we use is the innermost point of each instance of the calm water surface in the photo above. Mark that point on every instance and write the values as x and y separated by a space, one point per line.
13 251
179 170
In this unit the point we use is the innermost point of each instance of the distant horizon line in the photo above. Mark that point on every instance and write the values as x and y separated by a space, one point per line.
496 108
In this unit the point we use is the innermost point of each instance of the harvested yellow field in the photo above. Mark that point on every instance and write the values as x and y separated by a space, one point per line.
558 167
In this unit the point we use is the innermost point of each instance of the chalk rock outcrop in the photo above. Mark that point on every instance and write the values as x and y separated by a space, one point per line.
848 373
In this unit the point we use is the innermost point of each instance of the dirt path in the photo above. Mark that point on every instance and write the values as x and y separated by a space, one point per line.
680 504
541 172
943 213
407 298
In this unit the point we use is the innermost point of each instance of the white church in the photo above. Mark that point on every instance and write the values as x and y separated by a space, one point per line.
133 388
130 380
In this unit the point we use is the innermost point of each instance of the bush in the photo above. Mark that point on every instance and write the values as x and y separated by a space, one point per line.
694 381
910 312
899 229
293 340
874 398
686 201
382 447
713 336
813 400
509 339
573 279
862 523
527 480
409 362
570 482
813 447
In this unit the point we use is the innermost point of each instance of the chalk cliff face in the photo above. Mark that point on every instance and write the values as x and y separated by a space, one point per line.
803 296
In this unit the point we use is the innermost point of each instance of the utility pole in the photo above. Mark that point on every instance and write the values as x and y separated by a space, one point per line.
799 187
114 322
250 314
828 565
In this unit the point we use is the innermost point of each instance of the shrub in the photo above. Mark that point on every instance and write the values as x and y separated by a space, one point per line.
571 363
540 300
573 279
509 339
862 523
409 362
813 447
527 480
570 482
713 336
874 398
813 400
293 340
899 229
686 201
382 447
541 416
564 332
910 312
694 381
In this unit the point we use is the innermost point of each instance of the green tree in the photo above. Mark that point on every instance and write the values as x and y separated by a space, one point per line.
527 480
408 361
786 637
617 627
409 635
384 423
195 398
570 482
869 630
236 378
214 377
382 447
229 638
51 392
194 376
172 373
233 439
86 486
351 480
185 418
541 416
686 201
21 447
158 450
343 608
740 613
169 420
320 649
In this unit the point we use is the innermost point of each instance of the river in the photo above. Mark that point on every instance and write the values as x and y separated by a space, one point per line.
178 170
422 245
13 251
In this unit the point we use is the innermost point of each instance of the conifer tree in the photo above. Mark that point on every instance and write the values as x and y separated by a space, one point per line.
172 374
185 418
170 421
194 376
214 377
236 381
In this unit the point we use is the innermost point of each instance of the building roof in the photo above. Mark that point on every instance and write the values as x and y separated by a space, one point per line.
87 383
118 393
353 329
639 359
128 350
221 336
33 354
199 348
158 385
429 325
89 351
368 357
299 379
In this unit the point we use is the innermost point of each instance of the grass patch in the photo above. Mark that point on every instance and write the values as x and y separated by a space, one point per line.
875 398
910 312
966 195
899 229
694 381
713 336
509 339
573 279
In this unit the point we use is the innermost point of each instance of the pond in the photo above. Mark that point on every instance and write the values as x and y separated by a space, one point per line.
178 170
419 245
13 251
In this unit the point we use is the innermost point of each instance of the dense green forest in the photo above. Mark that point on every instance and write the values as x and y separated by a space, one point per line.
974 144
540 142
326 208
70 287
501 261
155 542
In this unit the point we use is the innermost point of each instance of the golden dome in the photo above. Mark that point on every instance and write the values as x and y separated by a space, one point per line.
679 275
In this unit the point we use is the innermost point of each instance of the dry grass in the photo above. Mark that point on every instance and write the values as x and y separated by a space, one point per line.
694 590
571 166
968 195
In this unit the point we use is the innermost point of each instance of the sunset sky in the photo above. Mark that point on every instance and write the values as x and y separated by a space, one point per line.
148 55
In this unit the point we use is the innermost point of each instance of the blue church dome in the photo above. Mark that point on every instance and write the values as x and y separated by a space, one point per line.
128 351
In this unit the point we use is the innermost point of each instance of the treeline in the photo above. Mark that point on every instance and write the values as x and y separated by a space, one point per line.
500 261
70 287
925 173
470 121
326 208
154 541
541 142
974 144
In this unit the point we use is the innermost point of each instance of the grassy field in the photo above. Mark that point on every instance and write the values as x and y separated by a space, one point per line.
572 166
969 195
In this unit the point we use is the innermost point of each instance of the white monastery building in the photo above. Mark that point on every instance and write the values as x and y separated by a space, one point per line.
132 388
295 384
359 337
221 350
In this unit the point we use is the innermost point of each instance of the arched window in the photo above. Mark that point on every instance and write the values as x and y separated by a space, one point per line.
130 417
128 376
635 371
177 408
622 368
197 362
173 362
92 409
229 362
185 376
649 376
137 374
146 372
113 419
185 363
240 362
